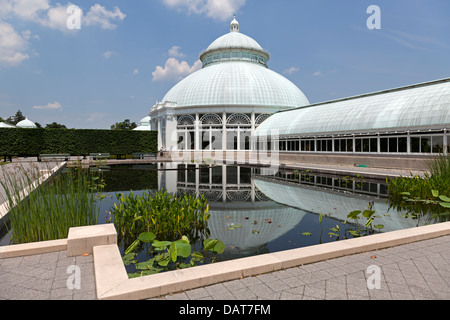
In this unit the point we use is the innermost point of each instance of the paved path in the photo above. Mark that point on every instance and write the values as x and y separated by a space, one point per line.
45 277
417 271
410 272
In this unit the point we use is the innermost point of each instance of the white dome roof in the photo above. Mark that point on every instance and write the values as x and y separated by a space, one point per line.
235 73
145 121
236 83
235 40
144 124
5 125
26 124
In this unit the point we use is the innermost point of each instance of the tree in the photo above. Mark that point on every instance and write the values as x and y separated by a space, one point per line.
16 118
55 125
125 125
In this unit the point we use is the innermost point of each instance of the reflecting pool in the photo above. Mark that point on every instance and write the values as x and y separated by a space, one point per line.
275 211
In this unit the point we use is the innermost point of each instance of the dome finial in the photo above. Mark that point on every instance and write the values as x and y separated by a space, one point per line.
234 26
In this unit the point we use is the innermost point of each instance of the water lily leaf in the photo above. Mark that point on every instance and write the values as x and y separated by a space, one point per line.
444 198
353 214
147 237
368 213
208 244
161 244
197 255
183 248
219 247
445 204
307 234
435 193
147 265
354 233
379 226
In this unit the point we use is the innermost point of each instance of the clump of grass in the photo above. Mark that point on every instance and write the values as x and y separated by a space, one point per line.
41 212
438 178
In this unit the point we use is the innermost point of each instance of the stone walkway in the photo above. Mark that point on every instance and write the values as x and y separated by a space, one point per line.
46 277
417 271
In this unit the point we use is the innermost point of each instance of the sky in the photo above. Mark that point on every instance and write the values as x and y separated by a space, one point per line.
89 64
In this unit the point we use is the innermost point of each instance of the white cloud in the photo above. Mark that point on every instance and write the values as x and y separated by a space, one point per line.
29 9
135 72
12 46
317 74
99 15
175 70
291 70
216 9
107 54
175 52
51 106
56 18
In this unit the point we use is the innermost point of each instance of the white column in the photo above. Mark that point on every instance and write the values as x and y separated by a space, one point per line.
197 133
224 131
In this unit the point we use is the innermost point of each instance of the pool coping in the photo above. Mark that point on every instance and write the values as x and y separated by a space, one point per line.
112 282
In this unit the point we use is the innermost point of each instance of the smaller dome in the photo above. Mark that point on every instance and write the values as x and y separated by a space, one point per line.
145 121
26 124
5 125
144 124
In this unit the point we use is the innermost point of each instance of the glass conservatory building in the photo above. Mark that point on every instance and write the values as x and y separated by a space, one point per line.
220 106
235 102
408 120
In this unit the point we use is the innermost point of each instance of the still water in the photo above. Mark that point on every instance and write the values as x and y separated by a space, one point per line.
277 210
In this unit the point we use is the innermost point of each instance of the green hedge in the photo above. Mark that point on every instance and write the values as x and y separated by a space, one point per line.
33 142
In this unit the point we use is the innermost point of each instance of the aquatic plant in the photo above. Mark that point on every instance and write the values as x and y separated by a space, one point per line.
161 213
437 178
169 255
47 211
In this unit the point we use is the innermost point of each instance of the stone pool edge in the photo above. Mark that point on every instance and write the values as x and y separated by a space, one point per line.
112 282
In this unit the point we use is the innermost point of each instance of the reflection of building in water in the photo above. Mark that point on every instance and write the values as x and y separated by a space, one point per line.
234 200
337 202
263 208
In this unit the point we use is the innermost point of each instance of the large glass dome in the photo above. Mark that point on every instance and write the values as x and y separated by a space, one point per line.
235 73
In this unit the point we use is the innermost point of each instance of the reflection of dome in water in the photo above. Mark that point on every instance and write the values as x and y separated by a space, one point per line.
318 200
251 236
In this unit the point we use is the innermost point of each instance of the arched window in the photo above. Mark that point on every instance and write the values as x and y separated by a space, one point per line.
211 120
186 120
261 118
239 119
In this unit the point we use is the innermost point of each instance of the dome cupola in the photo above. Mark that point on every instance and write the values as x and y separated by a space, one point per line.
234 46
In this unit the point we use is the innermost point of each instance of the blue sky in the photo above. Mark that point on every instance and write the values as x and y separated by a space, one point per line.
128 54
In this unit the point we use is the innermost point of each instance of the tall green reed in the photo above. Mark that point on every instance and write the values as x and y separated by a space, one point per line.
47 211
